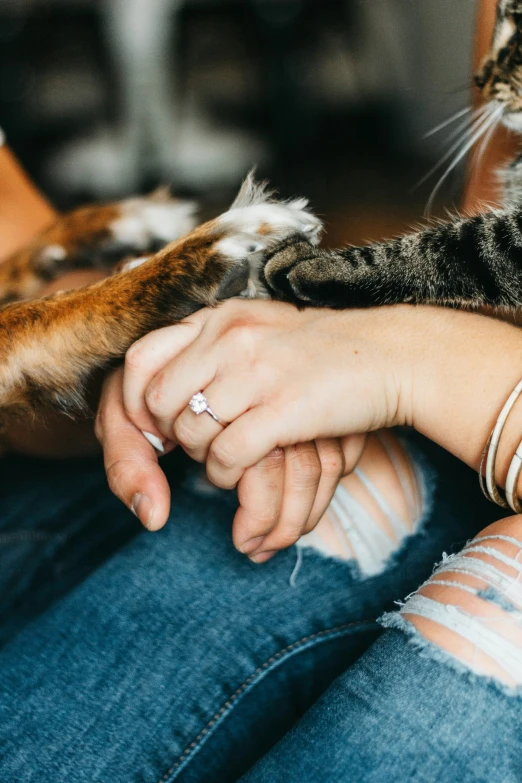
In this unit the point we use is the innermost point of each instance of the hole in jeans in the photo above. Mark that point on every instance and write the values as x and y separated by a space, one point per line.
472 605
374 509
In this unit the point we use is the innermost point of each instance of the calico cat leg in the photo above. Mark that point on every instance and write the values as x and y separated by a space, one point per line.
50 347
97 236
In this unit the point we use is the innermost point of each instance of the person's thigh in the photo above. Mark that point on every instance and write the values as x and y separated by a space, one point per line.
178 659
58 522
438 697
402 717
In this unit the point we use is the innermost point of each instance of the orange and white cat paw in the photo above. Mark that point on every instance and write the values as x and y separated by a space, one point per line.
256 223
153 221
256 213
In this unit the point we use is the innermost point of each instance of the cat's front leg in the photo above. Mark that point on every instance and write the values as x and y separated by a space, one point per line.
49 348
96 236
468 262
300 273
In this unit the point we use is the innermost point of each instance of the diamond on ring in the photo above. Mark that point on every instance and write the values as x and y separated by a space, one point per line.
199 404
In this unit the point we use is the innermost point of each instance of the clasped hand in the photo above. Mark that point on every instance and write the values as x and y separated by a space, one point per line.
299 388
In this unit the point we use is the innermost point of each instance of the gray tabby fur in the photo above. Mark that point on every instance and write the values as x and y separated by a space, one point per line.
466 262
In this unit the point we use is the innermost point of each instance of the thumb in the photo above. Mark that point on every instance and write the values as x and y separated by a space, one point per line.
131 463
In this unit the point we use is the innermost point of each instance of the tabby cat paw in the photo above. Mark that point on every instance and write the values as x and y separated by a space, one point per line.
290 273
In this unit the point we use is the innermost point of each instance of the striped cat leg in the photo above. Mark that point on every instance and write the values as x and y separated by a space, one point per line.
466 262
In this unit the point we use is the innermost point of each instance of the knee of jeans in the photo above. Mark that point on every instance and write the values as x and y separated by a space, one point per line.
374 509
471 607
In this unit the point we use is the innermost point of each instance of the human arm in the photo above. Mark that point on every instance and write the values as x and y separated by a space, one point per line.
282 376
24 213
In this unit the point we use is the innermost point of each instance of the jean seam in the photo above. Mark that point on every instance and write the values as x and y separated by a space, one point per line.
269 665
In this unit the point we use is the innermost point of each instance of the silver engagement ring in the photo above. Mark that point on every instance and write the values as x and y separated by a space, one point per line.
199 404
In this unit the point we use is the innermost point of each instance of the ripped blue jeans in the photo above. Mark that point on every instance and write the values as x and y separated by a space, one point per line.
129 657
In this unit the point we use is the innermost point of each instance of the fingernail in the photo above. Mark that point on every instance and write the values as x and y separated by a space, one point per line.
143 507
262 557
251 544
154 441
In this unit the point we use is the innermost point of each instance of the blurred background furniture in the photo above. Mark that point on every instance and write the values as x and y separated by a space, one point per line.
327 97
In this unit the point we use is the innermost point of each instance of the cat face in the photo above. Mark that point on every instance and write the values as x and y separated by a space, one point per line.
500 75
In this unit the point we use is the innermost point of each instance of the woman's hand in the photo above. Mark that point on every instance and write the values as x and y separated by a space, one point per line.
280 499
279 376
302 378
282 377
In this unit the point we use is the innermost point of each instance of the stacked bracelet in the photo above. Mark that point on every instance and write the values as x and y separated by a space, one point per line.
490 488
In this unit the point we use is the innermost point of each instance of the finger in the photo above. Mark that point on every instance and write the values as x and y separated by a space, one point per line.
260 494
353 448
228 355
131 463
302 477
168 394
194 432
228 397
244 443
332 470
146 357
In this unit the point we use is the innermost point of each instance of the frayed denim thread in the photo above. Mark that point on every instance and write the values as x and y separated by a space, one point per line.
430 651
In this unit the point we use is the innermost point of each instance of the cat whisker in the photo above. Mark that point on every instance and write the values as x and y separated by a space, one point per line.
485 126
483 119
463 126
447 122
487 138
478 115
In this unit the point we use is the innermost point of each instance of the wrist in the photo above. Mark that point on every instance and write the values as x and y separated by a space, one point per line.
466 366
387 343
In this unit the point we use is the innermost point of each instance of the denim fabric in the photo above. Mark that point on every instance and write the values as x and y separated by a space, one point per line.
400 717
138 657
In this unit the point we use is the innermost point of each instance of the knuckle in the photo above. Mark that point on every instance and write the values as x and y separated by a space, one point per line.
241 335
216 477
221 457
155 397
288 537
135 355
185 435
307 466
332 463
117 474
274 460
262 524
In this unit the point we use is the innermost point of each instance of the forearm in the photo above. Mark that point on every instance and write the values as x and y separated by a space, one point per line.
473 363
466 366
24 211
